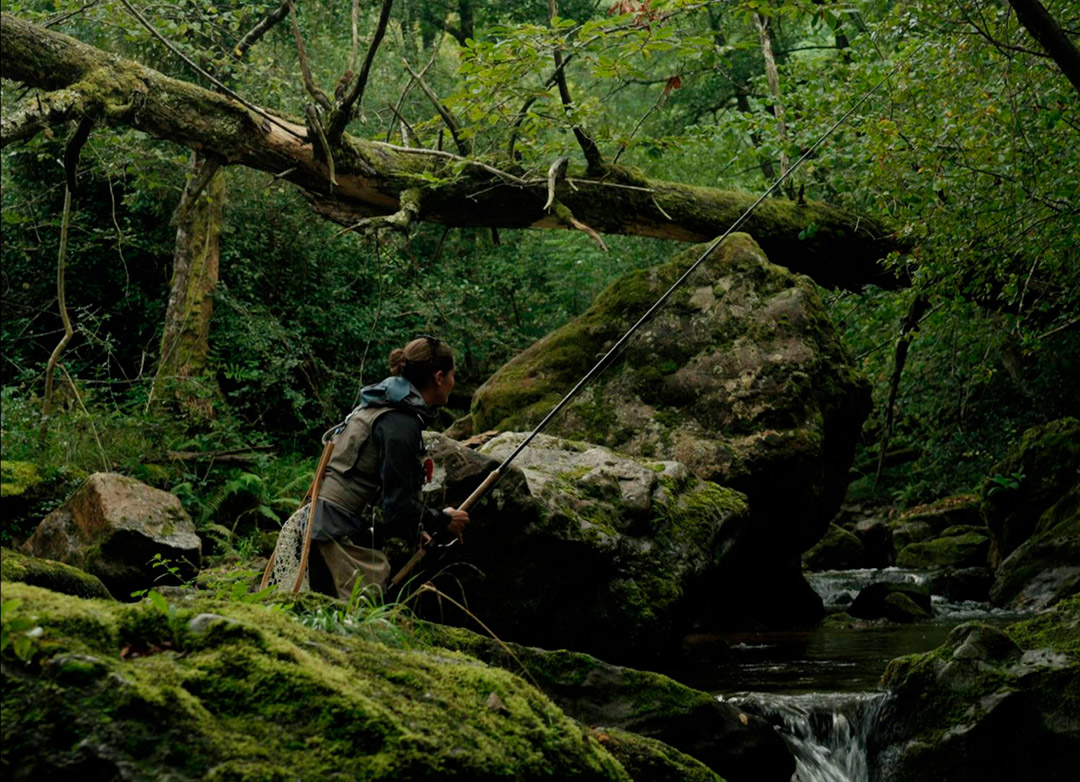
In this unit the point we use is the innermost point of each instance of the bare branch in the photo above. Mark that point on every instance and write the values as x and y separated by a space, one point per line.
74 149
305 70
343 113
150 28
447 116
592 153
259 30
408 87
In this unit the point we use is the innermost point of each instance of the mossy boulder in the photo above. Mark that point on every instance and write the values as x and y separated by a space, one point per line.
582 548
1043 467
987 705
116 528
234 691
740 747
741 377
925 522
969 548
1046 567
649 760
50 574
838 550
898 602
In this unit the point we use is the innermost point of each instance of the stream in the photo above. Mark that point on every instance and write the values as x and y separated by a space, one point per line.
819 687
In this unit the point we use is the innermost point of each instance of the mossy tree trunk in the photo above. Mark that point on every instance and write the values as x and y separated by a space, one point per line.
835 247
185 341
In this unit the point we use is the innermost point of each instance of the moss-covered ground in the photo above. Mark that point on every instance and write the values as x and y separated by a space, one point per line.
246 692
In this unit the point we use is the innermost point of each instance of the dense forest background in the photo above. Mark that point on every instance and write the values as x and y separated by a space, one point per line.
969 152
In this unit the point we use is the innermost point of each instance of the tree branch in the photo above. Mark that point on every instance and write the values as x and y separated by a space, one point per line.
464 147
373 176
259 30
341 116
1045 29
305 69
593 157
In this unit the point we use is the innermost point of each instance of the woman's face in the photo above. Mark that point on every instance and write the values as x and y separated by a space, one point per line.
442 385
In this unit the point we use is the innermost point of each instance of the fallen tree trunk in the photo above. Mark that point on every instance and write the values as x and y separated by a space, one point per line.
401 185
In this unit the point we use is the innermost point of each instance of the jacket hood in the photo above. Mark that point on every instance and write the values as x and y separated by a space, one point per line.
396 392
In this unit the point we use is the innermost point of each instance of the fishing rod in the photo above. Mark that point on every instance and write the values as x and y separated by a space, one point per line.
602 364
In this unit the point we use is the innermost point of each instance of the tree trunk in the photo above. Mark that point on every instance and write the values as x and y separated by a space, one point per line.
376 179
1045 29
772 75
185 341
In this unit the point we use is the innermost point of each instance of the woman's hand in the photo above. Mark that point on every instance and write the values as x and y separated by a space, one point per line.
458 520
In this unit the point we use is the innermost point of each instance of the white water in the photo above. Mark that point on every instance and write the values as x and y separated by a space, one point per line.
827 732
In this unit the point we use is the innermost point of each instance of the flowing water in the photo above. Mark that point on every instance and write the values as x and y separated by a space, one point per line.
820 687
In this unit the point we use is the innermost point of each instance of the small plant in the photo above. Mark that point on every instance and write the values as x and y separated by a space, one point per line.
999 482
367 615
171 614
166 569
19 631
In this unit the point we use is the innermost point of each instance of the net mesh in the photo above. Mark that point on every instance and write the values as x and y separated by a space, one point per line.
289 551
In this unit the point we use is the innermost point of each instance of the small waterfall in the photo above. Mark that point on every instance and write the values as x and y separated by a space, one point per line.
827 732
838 588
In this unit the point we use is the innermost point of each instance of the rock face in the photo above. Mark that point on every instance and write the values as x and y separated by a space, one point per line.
578 547
740 376
1032 507
255 695
739 747
113 527
1038 473
987 705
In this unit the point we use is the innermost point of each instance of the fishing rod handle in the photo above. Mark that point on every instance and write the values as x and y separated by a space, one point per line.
480 490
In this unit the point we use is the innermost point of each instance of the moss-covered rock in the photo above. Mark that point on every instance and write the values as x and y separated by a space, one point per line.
1046 567
897 602
579 547
987 705
740 747
1043 467
740 376
51 575
122 691
121 530
968 549
649 760
837 550
27 495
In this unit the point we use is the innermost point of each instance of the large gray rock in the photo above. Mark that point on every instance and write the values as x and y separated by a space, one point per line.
115 527
582 548
987 706
741 377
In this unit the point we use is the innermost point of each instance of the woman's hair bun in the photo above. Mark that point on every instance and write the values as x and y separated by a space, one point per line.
398 362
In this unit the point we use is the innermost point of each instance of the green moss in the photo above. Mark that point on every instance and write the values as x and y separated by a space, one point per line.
968 550
17 477
50 574
649 760
1057 629
264 697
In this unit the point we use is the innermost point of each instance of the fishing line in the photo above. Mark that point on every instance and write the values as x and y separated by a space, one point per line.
603 363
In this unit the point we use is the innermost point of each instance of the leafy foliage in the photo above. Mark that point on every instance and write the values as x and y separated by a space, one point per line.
970 151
